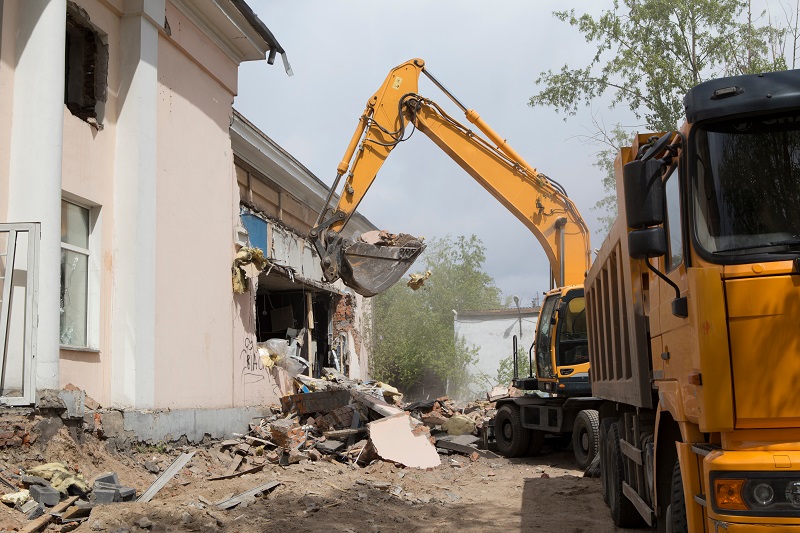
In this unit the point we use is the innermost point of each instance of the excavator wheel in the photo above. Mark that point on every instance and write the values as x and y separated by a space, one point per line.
586 437
512 439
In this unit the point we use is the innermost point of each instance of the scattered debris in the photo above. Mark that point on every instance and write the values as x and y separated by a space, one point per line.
418 280
397 439
251 494
168 474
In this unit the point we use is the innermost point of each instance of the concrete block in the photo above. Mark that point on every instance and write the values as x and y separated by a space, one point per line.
35 512
108 487
104 496
107 477
127 494
45 494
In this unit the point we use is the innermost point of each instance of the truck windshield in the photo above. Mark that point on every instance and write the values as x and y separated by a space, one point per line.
746 187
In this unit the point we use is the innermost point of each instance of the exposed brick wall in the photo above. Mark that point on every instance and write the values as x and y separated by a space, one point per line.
344 320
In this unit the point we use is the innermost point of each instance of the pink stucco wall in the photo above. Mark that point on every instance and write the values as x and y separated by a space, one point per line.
87 173
194 241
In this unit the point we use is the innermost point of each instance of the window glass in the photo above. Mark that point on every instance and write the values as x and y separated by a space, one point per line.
544 360
675 234
74 225
74 274
74 297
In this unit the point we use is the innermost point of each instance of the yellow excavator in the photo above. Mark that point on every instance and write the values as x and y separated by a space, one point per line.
540 203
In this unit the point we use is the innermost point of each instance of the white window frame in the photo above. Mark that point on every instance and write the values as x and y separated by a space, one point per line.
93 268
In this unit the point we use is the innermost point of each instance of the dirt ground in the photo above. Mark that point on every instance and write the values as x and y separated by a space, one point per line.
543 493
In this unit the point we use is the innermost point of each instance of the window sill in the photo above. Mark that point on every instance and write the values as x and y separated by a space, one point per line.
78 349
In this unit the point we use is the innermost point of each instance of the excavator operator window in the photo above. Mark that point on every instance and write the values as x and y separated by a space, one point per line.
572 337
544 336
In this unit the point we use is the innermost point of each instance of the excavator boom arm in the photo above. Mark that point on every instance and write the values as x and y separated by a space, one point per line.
540 204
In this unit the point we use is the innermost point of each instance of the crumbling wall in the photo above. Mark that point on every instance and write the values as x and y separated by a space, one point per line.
351 336
345 320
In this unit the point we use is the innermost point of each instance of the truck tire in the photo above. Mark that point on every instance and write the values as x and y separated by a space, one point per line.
537 441
512 439
604 483
623 512
676 512
586 437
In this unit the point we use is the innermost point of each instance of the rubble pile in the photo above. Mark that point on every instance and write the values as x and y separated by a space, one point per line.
344 420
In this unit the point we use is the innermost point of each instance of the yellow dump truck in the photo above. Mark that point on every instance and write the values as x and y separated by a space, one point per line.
693 307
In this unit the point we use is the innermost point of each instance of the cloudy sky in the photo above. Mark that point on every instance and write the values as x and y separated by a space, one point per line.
488 57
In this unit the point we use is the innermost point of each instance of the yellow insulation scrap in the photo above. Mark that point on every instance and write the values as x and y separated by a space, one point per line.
246 256
418 280
16 498
60 478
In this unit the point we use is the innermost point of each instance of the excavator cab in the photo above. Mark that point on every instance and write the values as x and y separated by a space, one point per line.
562 351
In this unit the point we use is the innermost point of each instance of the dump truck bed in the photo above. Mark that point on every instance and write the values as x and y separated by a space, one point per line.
617 325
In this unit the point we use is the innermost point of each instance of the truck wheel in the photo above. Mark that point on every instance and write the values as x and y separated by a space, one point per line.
537 441
676 512
512 439
586 437
623 513
604 483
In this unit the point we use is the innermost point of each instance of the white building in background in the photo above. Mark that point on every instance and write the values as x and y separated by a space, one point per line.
492 331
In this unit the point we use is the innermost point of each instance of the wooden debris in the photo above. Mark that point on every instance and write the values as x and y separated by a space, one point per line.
341 433
234 464
164 478
42 521
257 468
247 495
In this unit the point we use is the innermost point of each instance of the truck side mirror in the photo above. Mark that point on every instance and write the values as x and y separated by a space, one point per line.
644 193
647 243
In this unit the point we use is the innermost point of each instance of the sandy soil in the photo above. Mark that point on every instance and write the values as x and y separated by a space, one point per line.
543 493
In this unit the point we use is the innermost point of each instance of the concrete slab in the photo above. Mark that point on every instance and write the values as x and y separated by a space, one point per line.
394 440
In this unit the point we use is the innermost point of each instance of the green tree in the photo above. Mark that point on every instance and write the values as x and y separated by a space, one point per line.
505 370
649 53
413 331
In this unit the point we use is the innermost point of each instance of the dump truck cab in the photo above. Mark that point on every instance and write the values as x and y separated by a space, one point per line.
693 303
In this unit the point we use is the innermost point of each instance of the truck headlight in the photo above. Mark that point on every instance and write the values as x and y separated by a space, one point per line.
755 493
793 493
763 494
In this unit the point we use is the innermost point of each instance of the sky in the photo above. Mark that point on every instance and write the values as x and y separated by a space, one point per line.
488 57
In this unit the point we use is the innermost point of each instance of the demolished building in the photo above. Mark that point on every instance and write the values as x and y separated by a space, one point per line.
127 188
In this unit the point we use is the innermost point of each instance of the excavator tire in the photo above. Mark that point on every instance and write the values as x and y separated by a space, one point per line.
586 437
512 439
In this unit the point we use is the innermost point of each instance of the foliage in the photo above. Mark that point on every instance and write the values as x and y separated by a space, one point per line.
413 330
649 53
505 370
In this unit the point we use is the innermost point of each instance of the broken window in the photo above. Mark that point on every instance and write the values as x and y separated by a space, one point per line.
86 69
74 274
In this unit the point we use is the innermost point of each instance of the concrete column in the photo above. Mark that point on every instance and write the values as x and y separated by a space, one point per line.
134 298
34 189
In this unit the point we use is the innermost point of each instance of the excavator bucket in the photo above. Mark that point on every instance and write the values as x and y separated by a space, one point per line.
370 269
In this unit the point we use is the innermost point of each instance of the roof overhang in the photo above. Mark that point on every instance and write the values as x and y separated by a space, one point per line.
235 28
262 153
